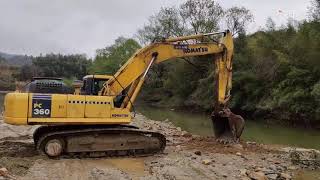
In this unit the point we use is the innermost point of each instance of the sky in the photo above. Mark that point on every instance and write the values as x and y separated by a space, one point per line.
81 26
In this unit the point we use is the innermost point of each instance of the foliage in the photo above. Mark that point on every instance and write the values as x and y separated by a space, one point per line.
7 81
237 18
108 60
281 75
314 10
57 65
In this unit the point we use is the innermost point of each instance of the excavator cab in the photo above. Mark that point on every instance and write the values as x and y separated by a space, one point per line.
92 84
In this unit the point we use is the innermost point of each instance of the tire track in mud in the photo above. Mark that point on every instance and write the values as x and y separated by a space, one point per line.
17 156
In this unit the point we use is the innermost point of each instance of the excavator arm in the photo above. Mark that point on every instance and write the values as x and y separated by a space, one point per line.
132 74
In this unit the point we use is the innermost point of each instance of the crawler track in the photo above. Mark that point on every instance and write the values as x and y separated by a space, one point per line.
97 141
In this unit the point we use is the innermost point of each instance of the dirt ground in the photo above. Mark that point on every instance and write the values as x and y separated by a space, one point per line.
186 156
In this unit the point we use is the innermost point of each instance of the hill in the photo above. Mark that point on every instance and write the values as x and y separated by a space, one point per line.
15 59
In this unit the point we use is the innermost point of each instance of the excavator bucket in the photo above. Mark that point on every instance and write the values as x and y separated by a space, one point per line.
227 126
221 126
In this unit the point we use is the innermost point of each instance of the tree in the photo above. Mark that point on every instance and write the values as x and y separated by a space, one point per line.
166 23
201 16
2 60
192 17
270 24
237 18
314 10
58 65
108 60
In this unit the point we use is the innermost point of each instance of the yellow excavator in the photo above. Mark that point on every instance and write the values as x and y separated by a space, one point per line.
95 121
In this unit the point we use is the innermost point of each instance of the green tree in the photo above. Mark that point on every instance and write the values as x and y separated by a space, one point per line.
58 65
237 18
108 60
314 10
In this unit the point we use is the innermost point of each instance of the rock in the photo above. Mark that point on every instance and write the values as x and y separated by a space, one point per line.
251 143
239 154
167 120
4 172
272 176
273 167
264 170
285 176
238 146
197 153
179 128
178 148
245 178
169 139
243 172
193 157
292 167
257 176
186 134
206 161
277 162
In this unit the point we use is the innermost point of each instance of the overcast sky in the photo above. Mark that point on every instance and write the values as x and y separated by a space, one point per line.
81 26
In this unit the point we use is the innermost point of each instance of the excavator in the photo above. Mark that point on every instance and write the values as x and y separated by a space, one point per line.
95 120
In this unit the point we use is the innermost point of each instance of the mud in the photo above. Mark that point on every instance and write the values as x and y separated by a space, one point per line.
187 156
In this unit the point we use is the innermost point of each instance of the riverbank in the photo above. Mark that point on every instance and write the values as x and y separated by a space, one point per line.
186 156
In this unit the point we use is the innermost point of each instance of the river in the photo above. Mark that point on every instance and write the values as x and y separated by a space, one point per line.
198 123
